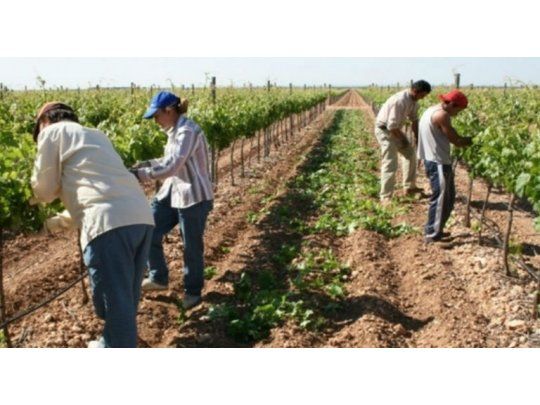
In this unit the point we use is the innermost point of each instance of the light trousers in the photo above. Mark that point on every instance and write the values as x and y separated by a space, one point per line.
389 163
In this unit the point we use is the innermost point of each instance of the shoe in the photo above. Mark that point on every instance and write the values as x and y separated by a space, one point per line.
443 244
438 238
408 192
97 344
414 190
431 239
149 285
191 301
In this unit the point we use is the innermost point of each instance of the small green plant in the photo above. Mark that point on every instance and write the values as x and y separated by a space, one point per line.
515 247
475 225
182 313
3 341
285 254
252 217
209 272
256 189
225 249
320 270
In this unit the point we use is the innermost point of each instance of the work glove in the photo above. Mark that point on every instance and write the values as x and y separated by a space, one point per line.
59 223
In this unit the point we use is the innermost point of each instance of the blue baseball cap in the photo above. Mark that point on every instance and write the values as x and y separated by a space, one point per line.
161 100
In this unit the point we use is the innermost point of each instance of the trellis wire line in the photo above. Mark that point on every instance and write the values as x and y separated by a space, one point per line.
48 300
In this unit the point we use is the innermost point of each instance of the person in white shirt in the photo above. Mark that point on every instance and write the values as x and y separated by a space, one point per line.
185 198
104 201
392 140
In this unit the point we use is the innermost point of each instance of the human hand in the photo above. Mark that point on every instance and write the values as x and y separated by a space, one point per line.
402 143
135 172
140 165
57 224
33 201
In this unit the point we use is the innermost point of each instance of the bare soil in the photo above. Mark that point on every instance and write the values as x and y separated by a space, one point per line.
401 292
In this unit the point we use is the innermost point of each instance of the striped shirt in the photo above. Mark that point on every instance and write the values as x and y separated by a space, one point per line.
396 110
184 166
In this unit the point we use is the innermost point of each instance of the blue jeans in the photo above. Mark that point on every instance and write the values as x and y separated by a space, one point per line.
116 261
442 198
192 222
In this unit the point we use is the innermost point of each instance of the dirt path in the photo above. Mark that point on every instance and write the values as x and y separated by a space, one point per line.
428 296
38 266
402 293
405 294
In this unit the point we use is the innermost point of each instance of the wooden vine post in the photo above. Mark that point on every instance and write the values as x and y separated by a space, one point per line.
291 125
329 99
242 173
482 215
232 162
275 127
251 141
266 141
82 270
468 209
457 79
259 146
218 154
213 146
507 234
2 297
536 302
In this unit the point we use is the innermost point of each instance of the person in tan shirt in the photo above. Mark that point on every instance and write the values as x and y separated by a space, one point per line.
392 140
103 199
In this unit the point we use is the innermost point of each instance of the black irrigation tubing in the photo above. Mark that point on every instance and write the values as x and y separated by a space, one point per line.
33 309
2 296
533 273
489 223
48 300
518 200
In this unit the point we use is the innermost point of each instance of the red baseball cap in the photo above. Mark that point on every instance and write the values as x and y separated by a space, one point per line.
455 96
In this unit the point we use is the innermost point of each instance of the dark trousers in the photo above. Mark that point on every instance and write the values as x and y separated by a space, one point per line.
116 261
192 221
442 198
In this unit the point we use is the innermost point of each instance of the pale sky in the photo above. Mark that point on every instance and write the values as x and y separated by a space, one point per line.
17 73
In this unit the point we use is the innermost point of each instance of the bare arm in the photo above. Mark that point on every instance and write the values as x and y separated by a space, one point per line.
415 130
442 120
399 135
